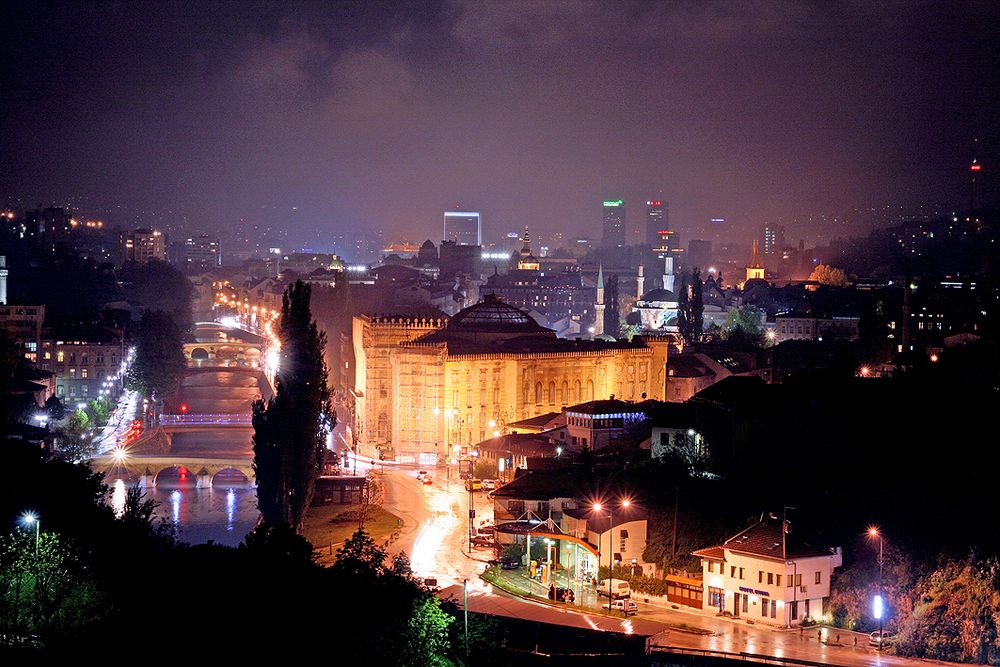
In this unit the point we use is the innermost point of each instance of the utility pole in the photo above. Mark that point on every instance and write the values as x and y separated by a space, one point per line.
465 610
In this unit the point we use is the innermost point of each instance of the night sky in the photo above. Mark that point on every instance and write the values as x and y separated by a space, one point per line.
364 115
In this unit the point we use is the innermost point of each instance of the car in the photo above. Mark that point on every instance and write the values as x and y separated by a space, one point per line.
421 475
510 563
473 485
428 479
489 484
879 638
486 529
562 594
481 541
626 606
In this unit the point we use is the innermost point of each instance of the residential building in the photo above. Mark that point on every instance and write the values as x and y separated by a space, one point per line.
24 324
140 246
596 424
202 253
618 532
83 361
795 325
769 574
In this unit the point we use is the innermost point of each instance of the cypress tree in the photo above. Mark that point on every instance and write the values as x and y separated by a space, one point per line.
290 429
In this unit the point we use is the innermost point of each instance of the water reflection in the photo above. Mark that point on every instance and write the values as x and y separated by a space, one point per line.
118 497
221 514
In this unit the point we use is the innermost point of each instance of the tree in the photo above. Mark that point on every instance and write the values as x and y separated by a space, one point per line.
159 286
100 410
290 429
76 443
371 494
159 362
690 307
745 326
829 275
359 555
44 590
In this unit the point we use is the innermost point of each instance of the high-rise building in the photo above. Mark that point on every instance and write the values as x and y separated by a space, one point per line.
463 227
773 237
614 224
143 245
699 254
52 226
657 218
202 253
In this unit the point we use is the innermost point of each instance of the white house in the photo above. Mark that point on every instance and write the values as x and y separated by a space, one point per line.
620 538
768 575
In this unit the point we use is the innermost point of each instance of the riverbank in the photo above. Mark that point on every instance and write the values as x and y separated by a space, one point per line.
328 526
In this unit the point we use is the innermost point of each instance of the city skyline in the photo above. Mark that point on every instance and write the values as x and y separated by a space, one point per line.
318 120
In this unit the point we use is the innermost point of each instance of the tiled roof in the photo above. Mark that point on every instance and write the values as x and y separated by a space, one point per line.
764 538
539 422
539 485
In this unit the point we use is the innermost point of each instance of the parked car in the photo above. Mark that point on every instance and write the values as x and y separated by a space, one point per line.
626 606
473 484
880 638
617 588
428 479
510 563
489 484
481 541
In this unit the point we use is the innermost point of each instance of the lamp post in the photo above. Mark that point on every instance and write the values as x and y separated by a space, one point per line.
878 606
472 500
29 518
611 525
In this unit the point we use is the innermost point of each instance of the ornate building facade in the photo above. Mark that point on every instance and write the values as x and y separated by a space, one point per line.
423 386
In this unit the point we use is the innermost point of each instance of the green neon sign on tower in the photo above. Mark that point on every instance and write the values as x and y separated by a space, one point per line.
614 202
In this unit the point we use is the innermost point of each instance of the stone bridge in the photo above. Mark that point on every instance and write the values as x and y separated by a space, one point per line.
215 345
178 471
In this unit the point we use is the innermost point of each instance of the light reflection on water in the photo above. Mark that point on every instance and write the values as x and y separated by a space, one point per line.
118 497
221 515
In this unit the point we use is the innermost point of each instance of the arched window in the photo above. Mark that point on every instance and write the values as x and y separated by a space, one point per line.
564 394
577 396
538 393
590 390
552 393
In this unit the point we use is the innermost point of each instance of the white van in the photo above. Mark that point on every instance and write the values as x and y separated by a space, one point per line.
619 588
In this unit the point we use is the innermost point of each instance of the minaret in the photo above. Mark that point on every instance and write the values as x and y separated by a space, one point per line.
640 282
668 272
599 306
3 279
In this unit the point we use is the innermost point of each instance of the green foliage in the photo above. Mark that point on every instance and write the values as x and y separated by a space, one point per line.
100 410
55 409
290 429
159 362
957 614
513 550
46 592
360 555
76 442
426 637
745 326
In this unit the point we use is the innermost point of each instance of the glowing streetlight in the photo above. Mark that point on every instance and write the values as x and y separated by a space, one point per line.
29 519
877 604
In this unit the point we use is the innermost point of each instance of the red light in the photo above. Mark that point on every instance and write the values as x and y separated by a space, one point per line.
976 167
184 407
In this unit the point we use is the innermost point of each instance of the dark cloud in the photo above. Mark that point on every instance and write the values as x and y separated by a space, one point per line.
378 114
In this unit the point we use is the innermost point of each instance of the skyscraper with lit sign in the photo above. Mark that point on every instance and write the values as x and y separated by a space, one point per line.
463 227
614 224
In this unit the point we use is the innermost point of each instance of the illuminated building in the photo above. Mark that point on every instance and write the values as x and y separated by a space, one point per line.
614 224
657 218
425 384
202 253
463 227
144 245
755 270
599 305
768 575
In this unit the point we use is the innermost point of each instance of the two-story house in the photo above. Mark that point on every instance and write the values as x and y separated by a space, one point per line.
767 574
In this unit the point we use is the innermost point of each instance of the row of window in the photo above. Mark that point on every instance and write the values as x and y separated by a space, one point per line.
99 358
773 578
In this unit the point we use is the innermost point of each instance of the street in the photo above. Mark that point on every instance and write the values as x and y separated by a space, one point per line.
434 534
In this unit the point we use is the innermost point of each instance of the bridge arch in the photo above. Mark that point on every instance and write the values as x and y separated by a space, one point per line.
199 354
175 477
231 478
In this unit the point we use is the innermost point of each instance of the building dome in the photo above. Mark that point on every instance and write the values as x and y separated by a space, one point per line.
659 295
492 314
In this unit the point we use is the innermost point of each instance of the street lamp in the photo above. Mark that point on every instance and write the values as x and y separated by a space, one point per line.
877 607
30 518
597 507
